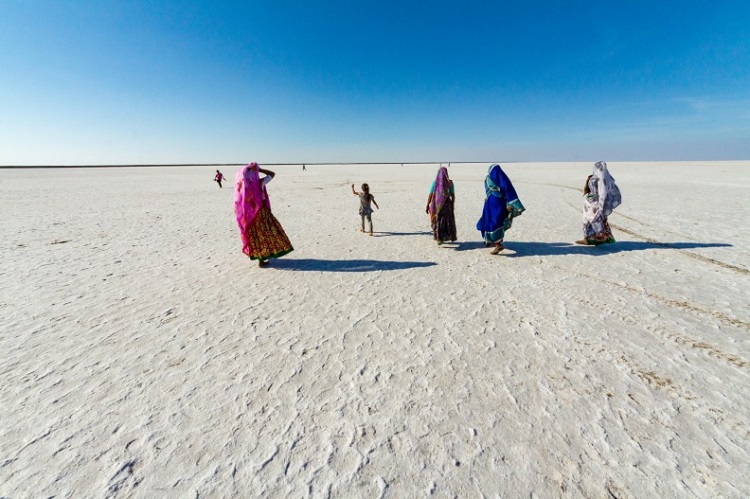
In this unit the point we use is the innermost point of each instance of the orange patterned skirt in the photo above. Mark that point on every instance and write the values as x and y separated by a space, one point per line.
266 238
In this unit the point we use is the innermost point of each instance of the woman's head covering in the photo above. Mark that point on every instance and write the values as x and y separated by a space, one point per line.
498 184
249 196
442 191
603 196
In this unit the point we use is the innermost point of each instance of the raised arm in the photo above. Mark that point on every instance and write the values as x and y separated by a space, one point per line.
267 172
354 192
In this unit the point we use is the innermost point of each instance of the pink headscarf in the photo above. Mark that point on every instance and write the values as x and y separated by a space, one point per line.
249 197
442 191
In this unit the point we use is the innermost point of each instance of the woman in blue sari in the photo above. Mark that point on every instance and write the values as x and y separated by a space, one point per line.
501 206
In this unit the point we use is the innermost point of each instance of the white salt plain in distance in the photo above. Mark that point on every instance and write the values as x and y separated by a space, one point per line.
143 355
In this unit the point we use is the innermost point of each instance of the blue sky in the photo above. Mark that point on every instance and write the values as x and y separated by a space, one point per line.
114 82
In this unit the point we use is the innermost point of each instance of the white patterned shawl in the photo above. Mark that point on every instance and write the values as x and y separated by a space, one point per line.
603 198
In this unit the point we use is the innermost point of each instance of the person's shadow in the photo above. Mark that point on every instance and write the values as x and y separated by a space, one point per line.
521 248
318 265
466 245
376 233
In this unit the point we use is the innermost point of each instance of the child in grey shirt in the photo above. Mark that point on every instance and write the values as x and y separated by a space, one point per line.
365 210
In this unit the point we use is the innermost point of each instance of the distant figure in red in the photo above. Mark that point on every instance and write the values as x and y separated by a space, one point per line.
218 178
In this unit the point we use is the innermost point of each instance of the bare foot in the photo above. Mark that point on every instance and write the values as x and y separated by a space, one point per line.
262 263
370 233
582 242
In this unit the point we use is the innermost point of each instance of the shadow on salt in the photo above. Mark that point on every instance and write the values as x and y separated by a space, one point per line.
318 265
521 248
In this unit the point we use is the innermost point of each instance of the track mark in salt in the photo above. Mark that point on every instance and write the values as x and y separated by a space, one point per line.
620 214
682 251
62 241
656 381
674 335
653 379
702 258
732 321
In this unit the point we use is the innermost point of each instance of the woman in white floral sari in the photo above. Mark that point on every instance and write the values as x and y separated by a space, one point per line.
600 197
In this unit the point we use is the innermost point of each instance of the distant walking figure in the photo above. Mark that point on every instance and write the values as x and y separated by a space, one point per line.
365 210
262 235
440 205
303 168
501 206
600 197
219 177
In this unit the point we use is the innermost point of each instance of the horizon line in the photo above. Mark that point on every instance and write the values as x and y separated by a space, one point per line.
298 163
147 165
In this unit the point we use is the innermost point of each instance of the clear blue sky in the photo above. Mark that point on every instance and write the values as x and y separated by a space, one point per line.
132 81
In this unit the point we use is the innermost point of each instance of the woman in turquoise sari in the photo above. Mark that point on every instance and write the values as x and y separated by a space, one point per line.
501 206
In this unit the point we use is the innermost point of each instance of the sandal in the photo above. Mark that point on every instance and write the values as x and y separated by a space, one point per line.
497 249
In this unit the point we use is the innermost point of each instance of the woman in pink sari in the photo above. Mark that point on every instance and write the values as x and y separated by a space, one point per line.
262 235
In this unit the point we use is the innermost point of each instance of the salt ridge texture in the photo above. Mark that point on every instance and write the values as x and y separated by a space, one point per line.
144 355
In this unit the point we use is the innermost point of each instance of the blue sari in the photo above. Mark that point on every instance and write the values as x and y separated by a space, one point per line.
501 206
